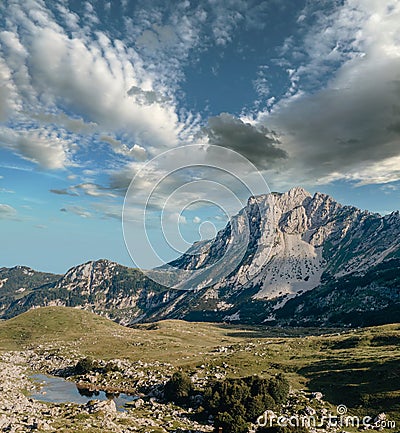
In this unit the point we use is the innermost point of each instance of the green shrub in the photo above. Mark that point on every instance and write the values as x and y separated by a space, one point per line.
84 366
279 389
230 423
110 367
255 407
235 402
178 388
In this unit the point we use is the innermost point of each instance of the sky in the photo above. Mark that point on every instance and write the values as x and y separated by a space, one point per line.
91 91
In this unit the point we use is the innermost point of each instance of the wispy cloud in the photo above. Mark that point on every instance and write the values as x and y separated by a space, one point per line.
7 212
77 210
49 148
90 189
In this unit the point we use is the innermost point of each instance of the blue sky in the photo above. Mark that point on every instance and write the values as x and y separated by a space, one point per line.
90 91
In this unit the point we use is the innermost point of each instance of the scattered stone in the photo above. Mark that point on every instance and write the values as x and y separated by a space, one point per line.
107 406
317 395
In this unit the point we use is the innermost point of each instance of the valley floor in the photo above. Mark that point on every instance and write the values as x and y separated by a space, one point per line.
357 368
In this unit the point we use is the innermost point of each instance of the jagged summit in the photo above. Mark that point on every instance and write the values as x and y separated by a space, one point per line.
292 198
95 263
25 269
297 194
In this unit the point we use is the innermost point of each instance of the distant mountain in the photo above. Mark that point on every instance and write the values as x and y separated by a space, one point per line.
308 261
19 281
116 291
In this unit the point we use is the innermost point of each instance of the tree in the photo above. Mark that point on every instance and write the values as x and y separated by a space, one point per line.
279 389
230 423
84 365
255 407
178 388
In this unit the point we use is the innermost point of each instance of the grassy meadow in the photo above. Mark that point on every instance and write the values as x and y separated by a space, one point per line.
357 367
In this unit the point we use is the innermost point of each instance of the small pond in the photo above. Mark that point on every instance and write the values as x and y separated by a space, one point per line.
58 390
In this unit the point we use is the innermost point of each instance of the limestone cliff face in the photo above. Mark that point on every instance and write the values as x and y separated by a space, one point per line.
297 237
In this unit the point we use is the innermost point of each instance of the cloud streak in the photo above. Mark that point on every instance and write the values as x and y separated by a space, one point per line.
89 189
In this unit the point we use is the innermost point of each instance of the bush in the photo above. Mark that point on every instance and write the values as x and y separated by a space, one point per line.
234 402
279 389
255 407
84 366
178 388
110 367
230 423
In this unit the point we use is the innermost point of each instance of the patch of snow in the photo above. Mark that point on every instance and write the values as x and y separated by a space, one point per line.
224 305
296 267
232 317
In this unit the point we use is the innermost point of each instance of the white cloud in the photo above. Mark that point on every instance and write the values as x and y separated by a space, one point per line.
349 129
88 188
8 92
137 152
47 70
94 80
6 191
7 212
46 147
107 210
381 172
73 124
176 218
196 220
94 190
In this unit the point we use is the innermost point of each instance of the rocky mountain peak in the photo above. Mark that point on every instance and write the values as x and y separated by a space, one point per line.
393 217
293 198
297 191
24 269
88 275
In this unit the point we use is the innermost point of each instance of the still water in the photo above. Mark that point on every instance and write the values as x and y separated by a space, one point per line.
58 390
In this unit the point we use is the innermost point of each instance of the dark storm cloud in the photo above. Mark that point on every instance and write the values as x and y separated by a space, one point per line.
346 128
257 143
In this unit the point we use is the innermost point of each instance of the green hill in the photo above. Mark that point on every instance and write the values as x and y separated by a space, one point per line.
49 324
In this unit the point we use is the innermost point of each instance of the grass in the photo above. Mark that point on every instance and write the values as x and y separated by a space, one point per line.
359 368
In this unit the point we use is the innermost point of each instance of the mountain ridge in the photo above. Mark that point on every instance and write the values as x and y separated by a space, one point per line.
302 250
